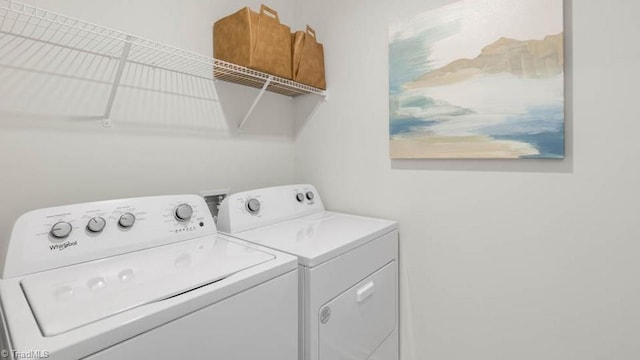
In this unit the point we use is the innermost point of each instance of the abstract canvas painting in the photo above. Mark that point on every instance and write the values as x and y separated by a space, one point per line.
478 79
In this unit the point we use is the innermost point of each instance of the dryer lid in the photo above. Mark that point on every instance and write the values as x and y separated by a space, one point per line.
317 238
67 298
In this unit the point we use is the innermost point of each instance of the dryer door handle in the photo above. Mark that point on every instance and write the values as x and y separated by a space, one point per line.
365 291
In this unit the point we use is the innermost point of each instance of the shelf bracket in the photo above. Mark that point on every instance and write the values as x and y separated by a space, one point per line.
106 120
255 103
323 99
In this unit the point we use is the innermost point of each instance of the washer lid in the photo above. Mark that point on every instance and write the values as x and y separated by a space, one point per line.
67 298
317 238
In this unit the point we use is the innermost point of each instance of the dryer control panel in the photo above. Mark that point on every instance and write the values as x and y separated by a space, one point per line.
256 208
49 238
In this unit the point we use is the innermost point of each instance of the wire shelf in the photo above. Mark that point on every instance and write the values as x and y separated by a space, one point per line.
38 41
244 76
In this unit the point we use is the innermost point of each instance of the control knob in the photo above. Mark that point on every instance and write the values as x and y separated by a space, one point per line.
183 212
127 220
61 230
310 195
300 197
96 224
253 206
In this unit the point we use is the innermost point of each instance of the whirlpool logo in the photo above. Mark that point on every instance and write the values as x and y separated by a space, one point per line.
63 246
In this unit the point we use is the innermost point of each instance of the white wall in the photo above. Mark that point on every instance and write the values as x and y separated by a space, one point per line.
522 260
49 163
500 260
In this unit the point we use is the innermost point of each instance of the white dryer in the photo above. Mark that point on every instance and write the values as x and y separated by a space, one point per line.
348 269
144 278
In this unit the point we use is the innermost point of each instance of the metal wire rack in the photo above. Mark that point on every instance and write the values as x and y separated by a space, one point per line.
42 42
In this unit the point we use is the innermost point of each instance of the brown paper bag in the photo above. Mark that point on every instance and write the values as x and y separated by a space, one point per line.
308 59
254 40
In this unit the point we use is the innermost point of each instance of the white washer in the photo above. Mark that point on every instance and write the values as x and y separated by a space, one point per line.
348 269
144 278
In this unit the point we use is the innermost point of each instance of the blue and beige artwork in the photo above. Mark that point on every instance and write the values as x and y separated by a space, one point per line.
478 79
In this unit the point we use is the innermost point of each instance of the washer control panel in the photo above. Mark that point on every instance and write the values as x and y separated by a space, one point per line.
61 236
252 209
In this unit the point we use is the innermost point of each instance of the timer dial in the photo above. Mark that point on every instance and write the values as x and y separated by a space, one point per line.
253 206
183 212
310 195
61 230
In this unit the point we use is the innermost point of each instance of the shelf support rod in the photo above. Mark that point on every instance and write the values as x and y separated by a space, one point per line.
255 103
106 120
